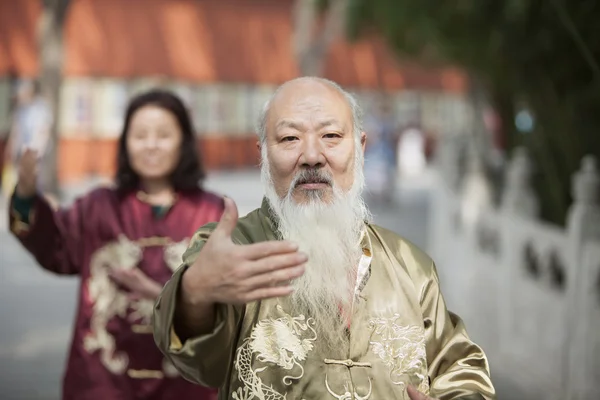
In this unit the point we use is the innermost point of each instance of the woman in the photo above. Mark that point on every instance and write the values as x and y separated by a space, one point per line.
124 242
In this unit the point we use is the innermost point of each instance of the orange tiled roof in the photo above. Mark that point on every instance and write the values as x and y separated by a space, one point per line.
200 41
18 50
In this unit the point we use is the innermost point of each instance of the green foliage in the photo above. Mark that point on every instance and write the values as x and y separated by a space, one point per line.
544 54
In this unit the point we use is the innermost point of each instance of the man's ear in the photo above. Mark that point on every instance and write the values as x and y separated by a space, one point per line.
363 145
258 145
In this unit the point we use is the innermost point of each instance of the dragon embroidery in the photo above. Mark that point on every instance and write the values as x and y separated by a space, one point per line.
402 350
108 301
273 341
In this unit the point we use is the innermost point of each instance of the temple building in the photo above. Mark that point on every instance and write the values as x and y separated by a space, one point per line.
224 57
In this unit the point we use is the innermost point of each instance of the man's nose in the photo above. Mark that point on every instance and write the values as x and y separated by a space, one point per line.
312 154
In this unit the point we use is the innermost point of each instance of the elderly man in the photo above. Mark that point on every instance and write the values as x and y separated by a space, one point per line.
304 298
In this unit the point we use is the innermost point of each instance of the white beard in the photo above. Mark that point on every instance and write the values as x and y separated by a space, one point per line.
330 235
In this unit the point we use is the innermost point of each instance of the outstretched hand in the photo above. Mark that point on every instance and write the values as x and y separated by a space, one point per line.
228 273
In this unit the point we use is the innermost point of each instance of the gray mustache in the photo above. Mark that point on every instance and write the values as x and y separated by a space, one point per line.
312 176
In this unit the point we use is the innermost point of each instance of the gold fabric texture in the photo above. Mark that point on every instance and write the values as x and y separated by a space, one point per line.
401 334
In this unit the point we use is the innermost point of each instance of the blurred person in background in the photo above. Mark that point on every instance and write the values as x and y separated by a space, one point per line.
30 129
124 243
411 151
304 298
381 152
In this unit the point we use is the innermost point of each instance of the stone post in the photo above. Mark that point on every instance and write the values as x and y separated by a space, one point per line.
583 228
518 197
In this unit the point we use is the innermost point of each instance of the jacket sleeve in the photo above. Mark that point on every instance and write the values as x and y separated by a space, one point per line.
458 368
205 359
53 237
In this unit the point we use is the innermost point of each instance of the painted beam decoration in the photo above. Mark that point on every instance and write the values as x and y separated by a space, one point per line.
257 96
215 109
96 107
201 111
407 108
75 119
109 106
224 115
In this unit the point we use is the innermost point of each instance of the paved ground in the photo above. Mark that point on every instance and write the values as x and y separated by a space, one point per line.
37 308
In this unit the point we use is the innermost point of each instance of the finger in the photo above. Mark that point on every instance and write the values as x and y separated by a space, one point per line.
120 276
116 276
122 272
28 164
27 159
281 277
29 155
274 263
228 220
28 151
414 394
133 296
258 251
136 273
268 293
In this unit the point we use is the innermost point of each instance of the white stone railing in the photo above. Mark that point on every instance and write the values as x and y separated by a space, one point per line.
528 291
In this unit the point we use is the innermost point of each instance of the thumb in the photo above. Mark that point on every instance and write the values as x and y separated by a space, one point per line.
414 394
228 220
29 152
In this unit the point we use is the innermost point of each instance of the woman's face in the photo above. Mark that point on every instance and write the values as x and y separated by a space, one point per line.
153 142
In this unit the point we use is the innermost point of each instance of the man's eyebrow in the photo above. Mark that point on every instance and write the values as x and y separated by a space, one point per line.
288 123
329 122
296 125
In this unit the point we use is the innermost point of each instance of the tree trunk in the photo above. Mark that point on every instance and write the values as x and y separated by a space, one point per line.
50 42
480 135
311 41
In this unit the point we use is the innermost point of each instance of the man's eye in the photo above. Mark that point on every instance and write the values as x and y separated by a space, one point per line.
331 135
289 138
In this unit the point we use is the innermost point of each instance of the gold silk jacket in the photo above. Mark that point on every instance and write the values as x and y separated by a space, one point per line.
406 336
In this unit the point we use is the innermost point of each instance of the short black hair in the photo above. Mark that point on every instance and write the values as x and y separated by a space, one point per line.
189 173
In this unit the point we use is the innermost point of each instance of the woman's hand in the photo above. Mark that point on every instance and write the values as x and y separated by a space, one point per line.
28 174
138 283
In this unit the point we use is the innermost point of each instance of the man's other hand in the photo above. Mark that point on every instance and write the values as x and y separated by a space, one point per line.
414 394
